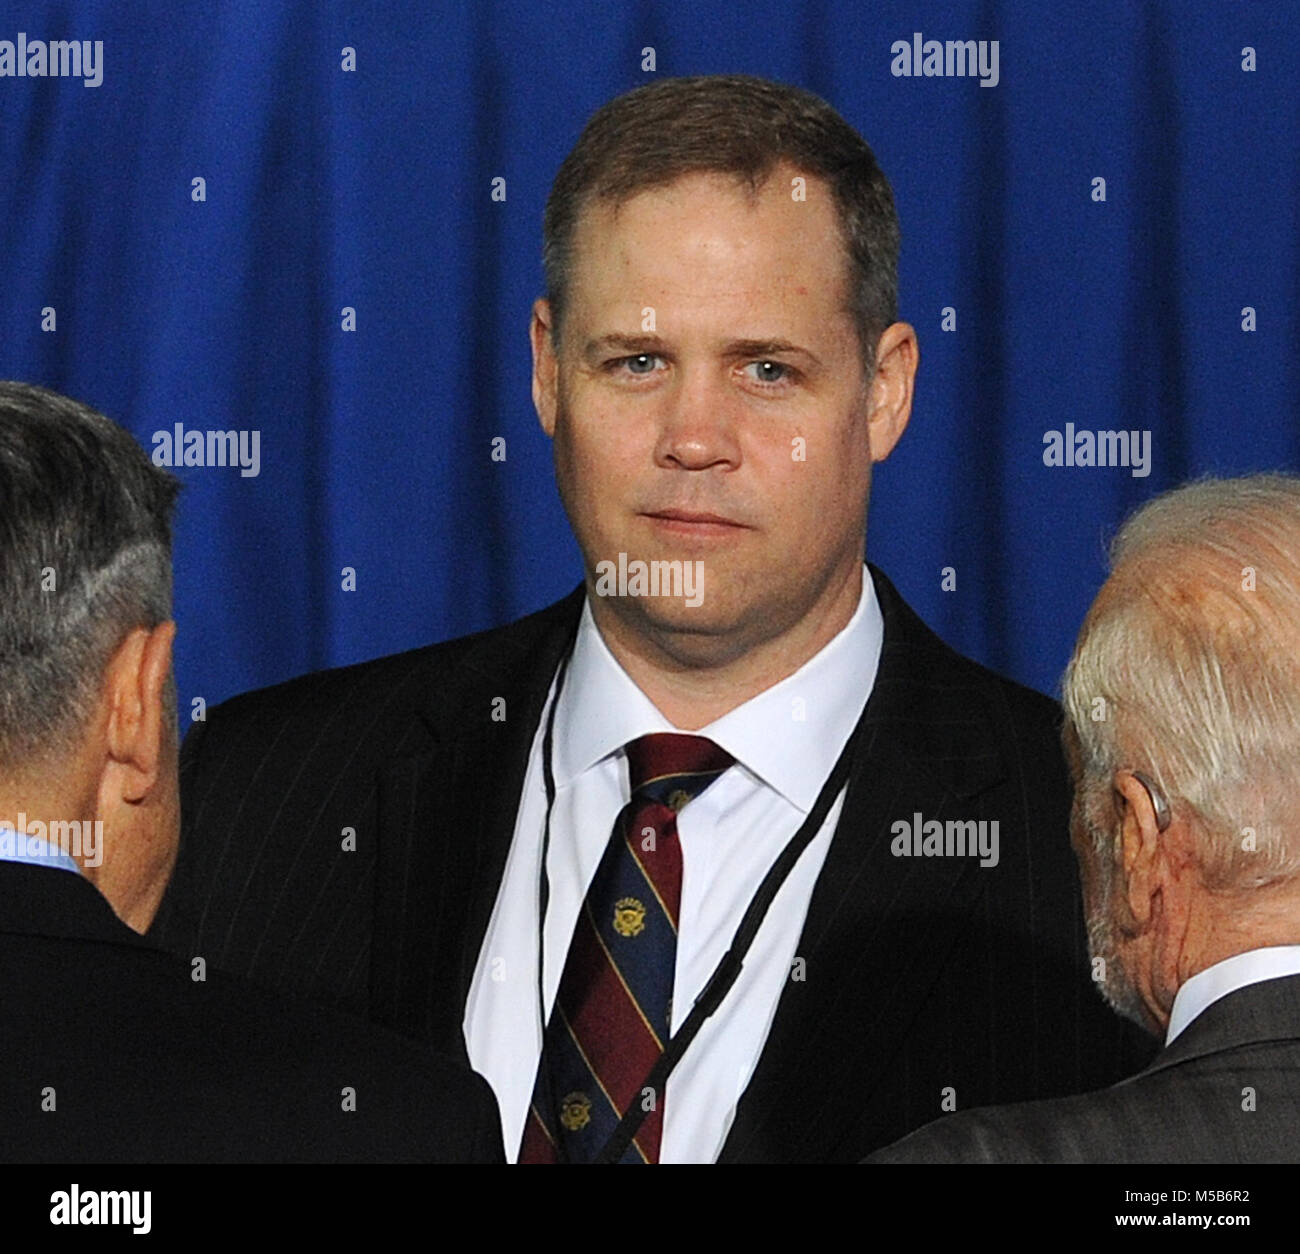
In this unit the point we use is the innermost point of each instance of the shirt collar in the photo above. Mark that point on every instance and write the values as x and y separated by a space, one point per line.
21 847
789 735
1202 990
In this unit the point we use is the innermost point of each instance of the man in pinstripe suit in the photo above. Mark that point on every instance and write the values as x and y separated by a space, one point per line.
719 364
1188 835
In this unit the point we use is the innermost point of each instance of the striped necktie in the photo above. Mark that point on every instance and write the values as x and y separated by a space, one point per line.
614 1004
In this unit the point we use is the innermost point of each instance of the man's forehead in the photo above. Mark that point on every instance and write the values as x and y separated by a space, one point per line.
689 246
700 195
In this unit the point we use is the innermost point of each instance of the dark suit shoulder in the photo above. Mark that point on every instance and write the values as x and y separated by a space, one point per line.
948 708
290 744
398 682
929 660
1015 699
148 1063
1234 1106
408 1102
288 793
1024 1132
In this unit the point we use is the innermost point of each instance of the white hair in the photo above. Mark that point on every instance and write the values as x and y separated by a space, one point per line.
1187 669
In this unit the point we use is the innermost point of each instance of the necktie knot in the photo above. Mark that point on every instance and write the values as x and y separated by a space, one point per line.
673 768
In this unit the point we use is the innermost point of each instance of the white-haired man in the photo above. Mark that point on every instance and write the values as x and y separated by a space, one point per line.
1183 704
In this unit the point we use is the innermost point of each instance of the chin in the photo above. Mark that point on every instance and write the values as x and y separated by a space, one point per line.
669 614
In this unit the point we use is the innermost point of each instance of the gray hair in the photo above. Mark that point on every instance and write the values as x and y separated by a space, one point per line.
85 557
1187 668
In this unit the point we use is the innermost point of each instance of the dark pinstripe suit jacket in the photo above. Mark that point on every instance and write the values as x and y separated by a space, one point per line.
922 973
1226 1091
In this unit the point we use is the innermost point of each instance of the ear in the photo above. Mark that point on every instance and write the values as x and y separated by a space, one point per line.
1140 854
897 355
136 681
544 365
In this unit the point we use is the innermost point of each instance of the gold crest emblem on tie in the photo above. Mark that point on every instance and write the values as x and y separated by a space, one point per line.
629 917
575 1111
677 800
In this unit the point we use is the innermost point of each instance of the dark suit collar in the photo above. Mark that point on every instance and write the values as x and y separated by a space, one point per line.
50 901
1265 1011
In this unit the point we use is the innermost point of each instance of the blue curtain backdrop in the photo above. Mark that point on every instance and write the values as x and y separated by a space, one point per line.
371 189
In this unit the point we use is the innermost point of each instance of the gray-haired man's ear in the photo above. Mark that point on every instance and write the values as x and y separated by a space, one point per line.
138 798
137 731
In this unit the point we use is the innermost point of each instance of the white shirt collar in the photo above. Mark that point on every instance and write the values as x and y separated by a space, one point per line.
789 735
16 846
1206 987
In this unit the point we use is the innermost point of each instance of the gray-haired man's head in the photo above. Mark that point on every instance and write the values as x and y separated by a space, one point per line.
1183 695
87 708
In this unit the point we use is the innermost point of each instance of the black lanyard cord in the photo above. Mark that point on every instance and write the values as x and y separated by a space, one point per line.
544 887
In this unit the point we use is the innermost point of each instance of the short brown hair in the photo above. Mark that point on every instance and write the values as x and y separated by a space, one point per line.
739 125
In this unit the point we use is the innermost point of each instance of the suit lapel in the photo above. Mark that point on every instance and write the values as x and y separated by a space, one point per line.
868 962
447 818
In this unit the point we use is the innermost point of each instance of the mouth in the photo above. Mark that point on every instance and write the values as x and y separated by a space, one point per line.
688 522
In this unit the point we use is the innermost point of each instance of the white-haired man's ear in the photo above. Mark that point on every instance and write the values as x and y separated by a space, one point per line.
1139 851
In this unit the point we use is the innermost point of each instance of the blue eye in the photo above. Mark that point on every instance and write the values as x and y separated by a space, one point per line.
770 371
635 364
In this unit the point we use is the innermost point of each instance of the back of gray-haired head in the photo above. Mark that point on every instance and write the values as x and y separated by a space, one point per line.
1187 668
85 557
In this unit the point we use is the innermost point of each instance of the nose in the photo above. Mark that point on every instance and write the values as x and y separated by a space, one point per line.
698 423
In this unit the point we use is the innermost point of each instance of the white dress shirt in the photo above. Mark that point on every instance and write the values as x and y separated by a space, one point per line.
1206 987
785 741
